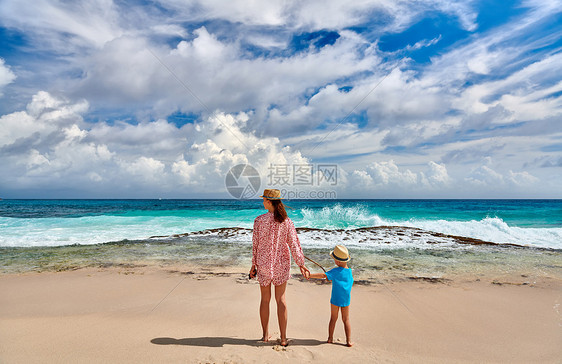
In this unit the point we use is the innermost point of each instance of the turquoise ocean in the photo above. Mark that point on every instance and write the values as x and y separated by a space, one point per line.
436 238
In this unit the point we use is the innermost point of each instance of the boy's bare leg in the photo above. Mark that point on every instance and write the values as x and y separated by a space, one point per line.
332 325
346 324
264 310
282 311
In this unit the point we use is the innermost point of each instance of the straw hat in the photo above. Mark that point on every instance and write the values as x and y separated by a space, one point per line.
272 194
340 253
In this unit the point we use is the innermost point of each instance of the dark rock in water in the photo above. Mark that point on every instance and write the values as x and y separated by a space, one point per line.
381 234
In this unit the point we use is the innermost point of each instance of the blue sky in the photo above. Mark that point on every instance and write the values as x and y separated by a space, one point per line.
410 99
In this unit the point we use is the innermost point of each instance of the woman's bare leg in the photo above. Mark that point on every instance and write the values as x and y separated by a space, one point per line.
264 310
332 325
346 324
282 311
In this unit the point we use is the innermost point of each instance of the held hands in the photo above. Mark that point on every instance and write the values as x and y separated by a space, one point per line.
254 271
305 272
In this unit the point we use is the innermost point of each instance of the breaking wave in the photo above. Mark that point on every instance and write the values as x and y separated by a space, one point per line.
324 226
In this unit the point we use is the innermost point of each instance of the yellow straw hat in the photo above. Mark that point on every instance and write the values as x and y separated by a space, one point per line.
272 194
340 253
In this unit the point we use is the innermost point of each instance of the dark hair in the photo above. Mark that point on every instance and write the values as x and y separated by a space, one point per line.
279 214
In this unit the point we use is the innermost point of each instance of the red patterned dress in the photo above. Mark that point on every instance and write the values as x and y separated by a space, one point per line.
273 243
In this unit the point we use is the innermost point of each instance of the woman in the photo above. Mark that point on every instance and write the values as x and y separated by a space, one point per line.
274 240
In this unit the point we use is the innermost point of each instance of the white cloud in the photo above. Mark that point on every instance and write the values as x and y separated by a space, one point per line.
418 126
389 101
168 29
45 115
186 171
205 47
253 12
35 159
486 177
437 175
388 173
17 125
519 92
318 14
128 160
206 73
74 132
522 178
6 75
422 44
65 26
149 169
385 173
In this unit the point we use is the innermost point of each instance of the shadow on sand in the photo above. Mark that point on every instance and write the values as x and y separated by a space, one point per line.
217 342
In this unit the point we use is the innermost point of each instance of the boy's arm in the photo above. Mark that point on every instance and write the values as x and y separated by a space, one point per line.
318 275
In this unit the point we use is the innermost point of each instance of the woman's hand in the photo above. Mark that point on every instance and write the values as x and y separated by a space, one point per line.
253 272
305 272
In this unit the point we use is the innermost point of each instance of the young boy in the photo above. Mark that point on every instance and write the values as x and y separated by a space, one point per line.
342 280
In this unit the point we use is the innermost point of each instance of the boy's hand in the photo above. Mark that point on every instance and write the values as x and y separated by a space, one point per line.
305 272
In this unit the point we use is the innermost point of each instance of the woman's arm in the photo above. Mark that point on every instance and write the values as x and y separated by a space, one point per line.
296 250
255 242
294 243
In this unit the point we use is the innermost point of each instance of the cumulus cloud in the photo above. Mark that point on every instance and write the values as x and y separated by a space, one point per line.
115 73
206 73
486 177
437 175
46 116
381 175
146 168
126 67
55 145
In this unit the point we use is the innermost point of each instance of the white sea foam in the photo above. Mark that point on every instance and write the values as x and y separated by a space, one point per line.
391 238
373 238
494 230
50 232
339 217
491 229
31 232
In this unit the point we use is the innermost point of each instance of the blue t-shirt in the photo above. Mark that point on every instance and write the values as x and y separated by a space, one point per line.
342 280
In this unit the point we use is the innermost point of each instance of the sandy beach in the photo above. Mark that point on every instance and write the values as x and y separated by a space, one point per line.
132 315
